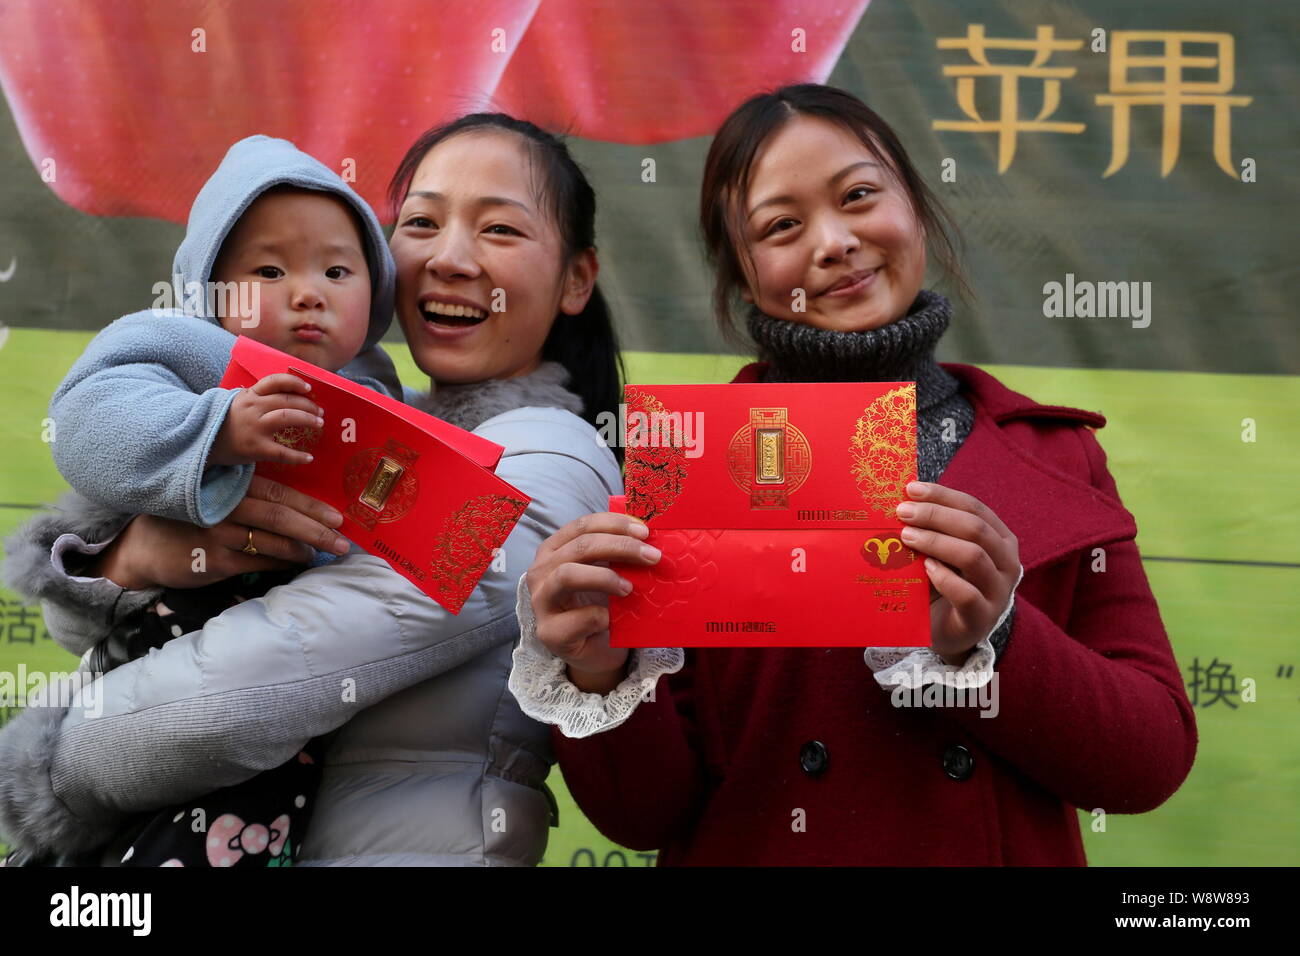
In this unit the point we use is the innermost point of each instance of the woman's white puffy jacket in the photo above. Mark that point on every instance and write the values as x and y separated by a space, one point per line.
432 762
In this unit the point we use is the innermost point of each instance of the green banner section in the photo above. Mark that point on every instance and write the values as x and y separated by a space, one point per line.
1206 463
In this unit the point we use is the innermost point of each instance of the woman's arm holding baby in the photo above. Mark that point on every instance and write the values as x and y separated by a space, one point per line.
285 527
93 570
217 706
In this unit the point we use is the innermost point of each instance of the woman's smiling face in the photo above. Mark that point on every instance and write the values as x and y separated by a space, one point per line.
480 271
823 215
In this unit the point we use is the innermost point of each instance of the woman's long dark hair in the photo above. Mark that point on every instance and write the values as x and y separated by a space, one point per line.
585 343
731 159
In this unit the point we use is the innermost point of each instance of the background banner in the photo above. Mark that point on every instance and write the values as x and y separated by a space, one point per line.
1124 175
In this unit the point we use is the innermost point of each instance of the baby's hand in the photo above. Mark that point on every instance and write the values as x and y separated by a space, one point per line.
248 434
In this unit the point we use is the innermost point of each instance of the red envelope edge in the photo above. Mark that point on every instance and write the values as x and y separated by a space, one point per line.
251 361
739 588
815 560
393 485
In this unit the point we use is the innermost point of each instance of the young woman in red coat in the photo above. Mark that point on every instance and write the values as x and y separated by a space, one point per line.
820 756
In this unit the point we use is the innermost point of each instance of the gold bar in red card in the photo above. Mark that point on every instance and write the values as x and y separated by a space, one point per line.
773 506
406 495
251 361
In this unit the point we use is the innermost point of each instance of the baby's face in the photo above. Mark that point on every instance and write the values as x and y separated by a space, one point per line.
303 257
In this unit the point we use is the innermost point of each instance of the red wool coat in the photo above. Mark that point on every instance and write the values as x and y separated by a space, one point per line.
1093 712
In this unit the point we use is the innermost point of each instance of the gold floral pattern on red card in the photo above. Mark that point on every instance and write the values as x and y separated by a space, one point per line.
655 473
296 437
464 545
883 449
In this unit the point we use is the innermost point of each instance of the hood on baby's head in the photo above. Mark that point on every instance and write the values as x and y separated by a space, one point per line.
251 167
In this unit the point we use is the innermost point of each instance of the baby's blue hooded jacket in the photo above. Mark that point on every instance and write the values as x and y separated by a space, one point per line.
136 416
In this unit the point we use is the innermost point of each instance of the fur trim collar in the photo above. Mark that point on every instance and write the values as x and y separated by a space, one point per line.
468 406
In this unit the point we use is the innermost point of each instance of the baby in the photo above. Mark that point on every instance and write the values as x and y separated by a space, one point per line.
141 424
277 248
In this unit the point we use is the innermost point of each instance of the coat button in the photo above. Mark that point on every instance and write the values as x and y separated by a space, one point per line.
813 758
958 762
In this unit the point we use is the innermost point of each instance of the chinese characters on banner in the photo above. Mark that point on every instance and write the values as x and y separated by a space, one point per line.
20 623
1170 57
1215 682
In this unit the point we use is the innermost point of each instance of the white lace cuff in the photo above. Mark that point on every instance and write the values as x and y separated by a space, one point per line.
915 667
545 694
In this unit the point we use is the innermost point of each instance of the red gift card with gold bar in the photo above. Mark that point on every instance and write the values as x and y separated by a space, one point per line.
408 493
251 361
773 505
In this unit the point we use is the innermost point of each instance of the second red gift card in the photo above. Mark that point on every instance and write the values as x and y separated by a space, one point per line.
773 506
